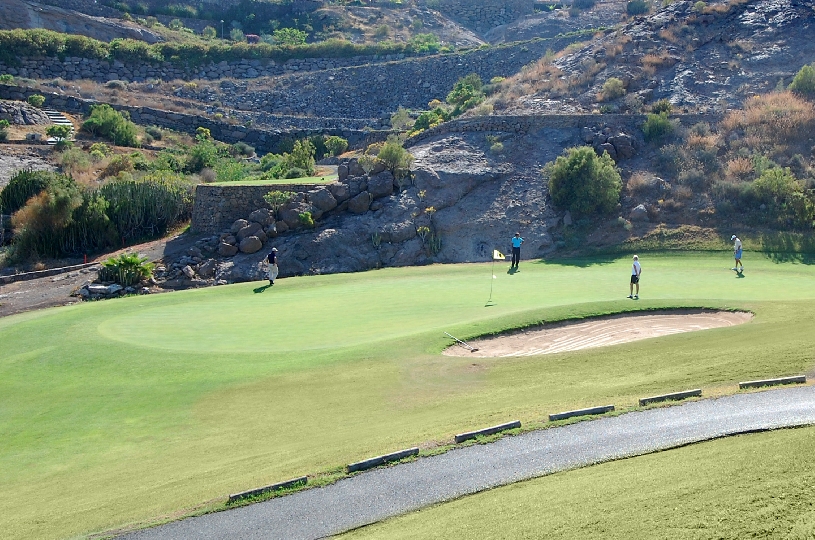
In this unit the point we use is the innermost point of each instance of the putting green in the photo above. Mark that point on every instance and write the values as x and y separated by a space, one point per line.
699 491
115 413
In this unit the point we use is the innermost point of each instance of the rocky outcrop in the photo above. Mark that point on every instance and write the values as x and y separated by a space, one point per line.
21 113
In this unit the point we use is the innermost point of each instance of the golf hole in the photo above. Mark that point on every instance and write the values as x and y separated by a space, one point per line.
565 336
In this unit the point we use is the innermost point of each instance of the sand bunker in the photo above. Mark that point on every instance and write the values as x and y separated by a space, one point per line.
598 332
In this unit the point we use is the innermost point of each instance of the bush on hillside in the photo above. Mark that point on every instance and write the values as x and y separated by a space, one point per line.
657 128
583 182
36 100
613 89
104 121
24 185
637 7
301 157
4 125
395 158
126 269
466 94
804 82
336 145
663 106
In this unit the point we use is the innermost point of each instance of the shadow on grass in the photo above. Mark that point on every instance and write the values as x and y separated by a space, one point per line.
781 247
583 262
262 289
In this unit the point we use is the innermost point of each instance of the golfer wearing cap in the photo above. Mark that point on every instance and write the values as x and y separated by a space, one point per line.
272 260
737 253
516 249
636 270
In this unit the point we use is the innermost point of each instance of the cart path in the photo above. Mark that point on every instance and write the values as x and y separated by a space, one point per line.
382 493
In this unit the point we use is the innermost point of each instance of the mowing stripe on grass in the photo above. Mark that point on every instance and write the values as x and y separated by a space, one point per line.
797 379
268 489
671 397
461 437
581 412
381 460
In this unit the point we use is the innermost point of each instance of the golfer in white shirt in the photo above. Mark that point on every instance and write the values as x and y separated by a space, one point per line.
636 270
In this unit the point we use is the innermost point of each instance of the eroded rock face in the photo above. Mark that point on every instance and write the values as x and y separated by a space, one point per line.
21 113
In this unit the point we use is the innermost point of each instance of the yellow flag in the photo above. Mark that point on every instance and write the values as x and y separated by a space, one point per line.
497 255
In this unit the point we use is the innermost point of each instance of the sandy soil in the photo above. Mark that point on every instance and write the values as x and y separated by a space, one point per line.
599 332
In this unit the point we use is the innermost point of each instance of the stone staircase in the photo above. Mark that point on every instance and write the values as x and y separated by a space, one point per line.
59 119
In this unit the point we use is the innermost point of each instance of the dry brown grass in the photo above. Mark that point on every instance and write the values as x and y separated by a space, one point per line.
683 193
669 35
657 60
640 181
589 68
738 169
772 118
702 142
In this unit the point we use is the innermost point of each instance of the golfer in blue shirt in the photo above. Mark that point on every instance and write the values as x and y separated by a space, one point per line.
516 249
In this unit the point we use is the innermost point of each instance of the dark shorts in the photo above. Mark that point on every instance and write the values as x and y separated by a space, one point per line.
635 279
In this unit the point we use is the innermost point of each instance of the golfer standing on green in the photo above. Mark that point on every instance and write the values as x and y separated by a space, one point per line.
737 254
271 260
636 270
516 249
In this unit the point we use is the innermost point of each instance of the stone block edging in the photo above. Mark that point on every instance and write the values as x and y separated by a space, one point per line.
461 437
268 489
797 379
581 412
675 396
25 276
381 460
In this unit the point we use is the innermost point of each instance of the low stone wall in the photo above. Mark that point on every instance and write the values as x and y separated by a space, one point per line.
264 140
486 14
217 207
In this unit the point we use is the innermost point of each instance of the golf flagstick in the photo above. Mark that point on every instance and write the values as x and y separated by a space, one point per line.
496 256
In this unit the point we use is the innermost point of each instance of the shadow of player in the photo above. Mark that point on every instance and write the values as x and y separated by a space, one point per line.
261 289
512 270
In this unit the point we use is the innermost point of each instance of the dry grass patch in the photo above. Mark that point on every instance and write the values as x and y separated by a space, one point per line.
770 118
739 169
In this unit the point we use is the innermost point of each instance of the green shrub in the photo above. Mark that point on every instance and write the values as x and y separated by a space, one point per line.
657 127
40 225
424 43
230 170
637 7
278 199
118 164
24 185
209 33
466 94
584 183
613 88
336 145
783 196
113 125
36 100
395 158
301 157
4 125
663 106
804 82
295 172
100 148
289 36
306 219
126 269
429 119
155 132
60 132
74 159
6 78
202 155
236 34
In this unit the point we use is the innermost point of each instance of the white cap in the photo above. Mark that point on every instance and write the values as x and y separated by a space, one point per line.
636 258
733 237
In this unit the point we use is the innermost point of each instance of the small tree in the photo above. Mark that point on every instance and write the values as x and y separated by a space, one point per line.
367 162
466 94
4 125
804 82
395 158
663 106
58 131
657 127
289 36
36 100
401 119
209 33
336 145
301 156
613 88
584 182
277 200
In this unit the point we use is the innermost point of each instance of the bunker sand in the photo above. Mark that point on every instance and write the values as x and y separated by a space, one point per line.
599 332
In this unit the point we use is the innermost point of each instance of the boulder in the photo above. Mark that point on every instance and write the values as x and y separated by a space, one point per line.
354 168
342 172
238 225
229 239
250 244
360 203
639 213
188 271
357 185
227 250
398 232
291 217
322 199
207 269
624 145
607 147
271 231
264 216
339 191
249 230
381 185
567 218
281 227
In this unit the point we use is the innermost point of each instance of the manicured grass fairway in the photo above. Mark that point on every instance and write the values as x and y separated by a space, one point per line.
116 412
751 486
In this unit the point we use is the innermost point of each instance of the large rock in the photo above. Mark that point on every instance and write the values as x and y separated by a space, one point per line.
381 185
322 199
357 185
339 191
639 213
342 172
608 147
291 217
227 250
360 203
250 230
264 216
188 271
207 269
238 225
250 244
398 232
281 227
354 168
624 145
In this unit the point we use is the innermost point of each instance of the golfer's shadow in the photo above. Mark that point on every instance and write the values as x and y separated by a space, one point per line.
739 275
261 289
512 270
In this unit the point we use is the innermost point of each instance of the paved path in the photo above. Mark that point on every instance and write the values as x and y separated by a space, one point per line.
382 493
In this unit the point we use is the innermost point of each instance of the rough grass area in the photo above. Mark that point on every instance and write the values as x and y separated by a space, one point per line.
120 412
750 486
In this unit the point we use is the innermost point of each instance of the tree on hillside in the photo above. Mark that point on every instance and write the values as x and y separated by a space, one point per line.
289 36
804 82
584 182
466 94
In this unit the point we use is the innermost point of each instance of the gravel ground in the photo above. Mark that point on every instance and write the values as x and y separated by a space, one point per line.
382 493
15 157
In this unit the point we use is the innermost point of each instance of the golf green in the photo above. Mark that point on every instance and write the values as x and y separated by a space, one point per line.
124 412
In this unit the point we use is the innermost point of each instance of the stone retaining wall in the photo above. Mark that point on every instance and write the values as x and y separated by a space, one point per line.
486 14
217 207
264 140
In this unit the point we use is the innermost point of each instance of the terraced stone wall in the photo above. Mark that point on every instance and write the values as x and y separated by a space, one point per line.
486 14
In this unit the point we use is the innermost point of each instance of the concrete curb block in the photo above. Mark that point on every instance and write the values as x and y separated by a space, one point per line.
381 460
25 276
798 379
671 397
268 489
581 412
461 437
